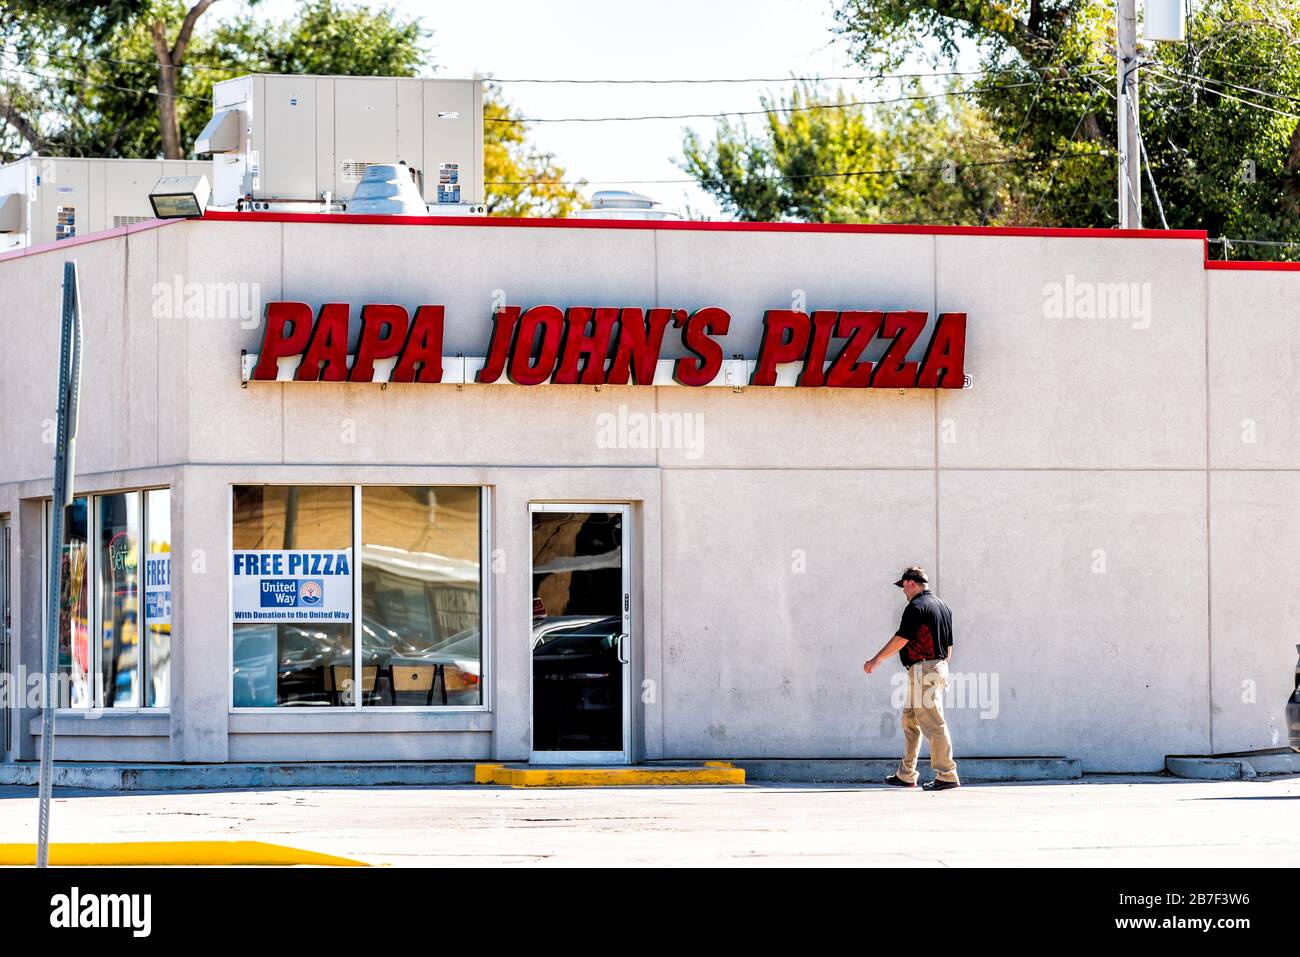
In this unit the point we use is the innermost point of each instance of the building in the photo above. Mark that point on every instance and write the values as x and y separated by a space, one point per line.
348 566
44 199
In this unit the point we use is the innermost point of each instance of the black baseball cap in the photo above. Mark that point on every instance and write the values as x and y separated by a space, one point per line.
914 573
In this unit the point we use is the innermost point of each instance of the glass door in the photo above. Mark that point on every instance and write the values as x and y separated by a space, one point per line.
581 634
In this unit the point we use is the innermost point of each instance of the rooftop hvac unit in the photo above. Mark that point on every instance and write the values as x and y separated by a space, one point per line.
279 141
44 199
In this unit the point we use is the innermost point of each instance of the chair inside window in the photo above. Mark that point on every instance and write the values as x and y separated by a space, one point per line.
407 679
338 679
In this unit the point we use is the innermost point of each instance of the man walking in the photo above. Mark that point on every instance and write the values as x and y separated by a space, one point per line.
923 643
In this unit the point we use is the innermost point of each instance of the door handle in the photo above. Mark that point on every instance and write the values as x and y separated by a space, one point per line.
622 656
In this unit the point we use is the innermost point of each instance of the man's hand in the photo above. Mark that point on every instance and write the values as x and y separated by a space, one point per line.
892 646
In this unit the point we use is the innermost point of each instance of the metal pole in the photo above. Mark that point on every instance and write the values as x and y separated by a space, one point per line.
64 454
1126 111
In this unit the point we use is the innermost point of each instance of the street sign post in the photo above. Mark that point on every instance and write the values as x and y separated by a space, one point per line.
64 449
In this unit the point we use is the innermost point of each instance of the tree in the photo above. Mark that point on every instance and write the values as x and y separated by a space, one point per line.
32 32
520 180
823 157
1220 164
95 80
171 57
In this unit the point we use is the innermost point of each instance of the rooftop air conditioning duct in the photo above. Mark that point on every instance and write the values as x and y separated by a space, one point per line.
13 210
221 135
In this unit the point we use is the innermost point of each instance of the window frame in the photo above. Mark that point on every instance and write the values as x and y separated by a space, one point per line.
95 600
487 671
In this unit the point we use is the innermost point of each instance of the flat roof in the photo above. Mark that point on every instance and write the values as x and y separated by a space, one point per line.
493 222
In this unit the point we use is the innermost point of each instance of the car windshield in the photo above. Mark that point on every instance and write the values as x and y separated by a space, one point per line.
586 638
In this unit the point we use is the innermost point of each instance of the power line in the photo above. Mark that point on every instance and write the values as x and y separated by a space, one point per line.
1227 96
797 176
617 81
1038 91
149 63
1087 108
679 81
109 86
1235 86
1253 242
777 109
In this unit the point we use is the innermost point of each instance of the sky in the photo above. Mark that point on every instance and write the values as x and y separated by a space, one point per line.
670 39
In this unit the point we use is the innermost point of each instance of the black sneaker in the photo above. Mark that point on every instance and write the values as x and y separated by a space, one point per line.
937 785
898 782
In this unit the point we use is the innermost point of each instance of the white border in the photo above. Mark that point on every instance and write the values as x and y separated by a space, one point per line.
487 676
94 711
626 551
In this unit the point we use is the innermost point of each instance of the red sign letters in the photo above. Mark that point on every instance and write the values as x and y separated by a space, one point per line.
586 345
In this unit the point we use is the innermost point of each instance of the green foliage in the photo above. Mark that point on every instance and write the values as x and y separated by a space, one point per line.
85 76
326 38
1054 93
520 180
822 157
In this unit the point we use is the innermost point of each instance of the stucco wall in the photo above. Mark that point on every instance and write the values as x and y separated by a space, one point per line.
1114 550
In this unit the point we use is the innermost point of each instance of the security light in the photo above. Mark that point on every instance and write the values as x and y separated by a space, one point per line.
180 197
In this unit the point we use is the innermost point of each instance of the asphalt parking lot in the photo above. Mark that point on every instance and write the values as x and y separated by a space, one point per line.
1098 821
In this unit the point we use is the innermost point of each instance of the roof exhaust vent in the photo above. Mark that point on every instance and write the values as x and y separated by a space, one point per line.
387 189
622 204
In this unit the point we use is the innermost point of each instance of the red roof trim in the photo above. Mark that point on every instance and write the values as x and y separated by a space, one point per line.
902 229
112 233
1251 264
696 226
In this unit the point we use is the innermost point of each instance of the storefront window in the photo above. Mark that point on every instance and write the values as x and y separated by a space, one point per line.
291 582
420 596
103 594
157 590
74 669
119 595
296 639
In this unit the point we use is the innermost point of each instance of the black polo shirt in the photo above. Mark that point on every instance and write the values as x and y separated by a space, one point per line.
927 626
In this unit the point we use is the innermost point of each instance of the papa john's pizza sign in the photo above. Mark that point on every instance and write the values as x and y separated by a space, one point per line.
594 345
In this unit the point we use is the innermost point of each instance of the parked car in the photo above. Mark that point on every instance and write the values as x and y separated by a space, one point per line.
288 665
577 684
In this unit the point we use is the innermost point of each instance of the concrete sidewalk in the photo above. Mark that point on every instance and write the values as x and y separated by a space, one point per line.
1103 821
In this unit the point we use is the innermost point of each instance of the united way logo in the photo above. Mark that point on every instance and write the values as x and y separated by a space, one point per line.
311 592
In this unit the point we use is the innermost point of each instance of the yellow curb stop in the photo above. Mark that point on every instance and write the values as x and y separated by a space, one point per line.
168 853
711 772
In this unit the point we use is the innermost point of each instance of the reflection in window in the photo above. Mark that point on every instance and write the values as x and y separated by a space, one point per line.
302 663
74 665
107 656
119 610
421 626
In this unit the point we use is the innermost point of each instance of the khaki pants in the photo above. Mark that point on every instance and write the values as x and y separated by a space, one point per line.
923 715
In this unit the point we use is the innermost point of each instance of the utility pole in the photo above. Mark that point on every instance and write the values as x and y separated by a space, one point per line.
1126 115
64 461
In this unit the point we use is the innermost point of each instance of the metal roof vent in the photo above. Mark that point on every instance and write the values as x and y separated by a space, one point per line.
623 204
387 189
620 199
